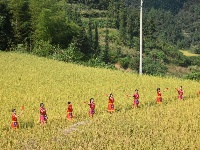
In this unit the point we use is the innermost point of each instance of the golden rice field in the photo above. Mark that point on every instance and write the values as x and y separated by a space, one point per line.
27 80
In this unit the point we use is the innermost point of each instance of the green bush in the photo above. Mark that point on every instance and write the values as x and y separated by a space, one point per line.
124 62
98 63
153 67
43 48
193 76
197 50
71 54
194 60
134 63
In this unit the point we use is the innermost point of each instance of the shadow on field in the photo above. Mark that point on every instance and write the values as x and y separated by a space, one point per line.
28 124
22 125
7 128
149 104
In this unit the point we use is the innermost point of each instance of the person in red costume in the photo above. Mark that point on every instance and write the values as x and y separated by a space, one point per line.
136 97
111 103
43 114
69 111
180 93
92 107
14 124
159 96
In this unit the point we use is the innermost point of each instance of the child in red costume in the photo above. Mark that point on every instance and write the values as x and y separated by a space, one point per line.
159 96
111 103
69 111
14 124
92 107
43 114
180 93
136 97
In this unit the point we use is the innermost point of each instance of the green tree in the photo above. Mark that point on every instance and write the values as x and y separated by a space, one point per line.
96 40
90 36
44 26
122 21
104 55
113 14
6 34
20 20
82 43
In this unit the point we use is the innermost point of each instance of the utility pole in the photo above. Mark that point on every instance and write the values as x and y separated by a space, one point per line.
140 67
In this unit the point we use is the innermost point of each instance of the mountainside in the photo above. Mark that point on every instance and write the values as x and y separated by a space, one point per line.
102 33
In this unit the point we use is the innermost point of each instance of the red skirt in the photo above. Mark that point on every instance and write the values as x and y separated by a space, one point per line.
14 125
111 107
91 112
180 97
136 102
159 99
69 115
43 119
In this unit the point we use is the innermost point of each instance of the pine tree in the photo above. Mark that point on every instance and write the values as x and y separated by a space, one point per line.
96 41
20 20
6 33
105 56
82 42
90 36
129 30
122 22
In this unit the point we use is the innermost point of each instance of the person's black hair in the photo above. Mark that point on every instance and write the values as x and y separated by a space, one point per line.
41 104
69 103
136 90
91 99
158 89
13 110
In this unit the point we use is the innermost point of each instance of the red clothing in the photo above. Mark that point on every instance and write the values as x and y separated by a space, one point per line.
14 117
111 104
92 107
70 109
69 112
43 115
42 111
14 123
136 97
180 94
159 97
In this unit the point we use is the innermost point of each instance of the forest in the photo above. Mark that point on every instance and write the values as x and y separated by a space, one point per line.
103 33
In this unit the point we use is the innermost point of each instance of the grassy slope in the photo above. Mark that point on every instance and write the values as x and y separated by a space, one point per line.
28 80
187 53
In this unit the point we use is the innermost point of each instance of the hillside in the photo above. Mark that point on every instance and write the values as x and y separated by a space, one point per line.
27 81
101 33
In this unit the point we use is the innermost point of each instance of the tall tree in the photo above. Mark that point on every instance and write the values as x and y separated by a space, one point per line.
90 36
113 14
122 22
105 56
96 40
20 20
6 34
81 42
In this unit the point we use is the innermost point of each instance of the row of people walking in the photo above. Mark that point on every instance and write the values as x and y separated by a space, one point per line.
69 115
